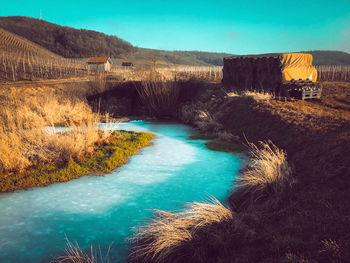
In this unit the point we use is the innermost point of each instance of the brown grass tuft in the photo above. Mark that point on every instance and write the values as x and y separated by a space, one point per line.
74 254
167 232
257 96
267 178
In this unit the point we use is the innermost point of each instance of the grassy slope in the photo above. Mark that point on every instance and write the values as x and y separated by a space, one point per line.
107 156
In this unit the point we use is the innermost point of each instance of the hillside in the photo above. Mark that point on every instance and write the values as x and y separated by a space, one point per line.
196 58
23 60
66 41
325 57
11 43
80 43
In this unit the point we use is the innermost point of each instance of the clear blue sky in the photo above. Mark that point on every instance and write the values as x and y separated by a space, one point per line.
239 27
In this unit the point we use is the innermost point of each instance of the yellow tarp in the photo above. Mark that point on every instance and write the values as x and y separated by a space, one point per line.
298 66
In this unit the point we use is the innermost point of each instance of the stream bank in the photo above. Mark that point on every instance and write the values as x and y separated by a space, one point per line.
100 210
310 221
107 155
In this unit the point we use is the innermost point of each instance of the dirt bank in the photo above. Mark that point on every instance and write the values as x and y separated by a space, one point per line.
312 222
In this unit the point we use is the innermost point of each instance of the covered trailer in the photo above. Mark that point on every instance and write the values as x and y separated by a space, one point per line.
282 74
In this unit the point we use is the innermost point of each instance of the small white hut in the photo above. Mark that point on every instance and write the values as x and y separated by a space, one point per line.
99 64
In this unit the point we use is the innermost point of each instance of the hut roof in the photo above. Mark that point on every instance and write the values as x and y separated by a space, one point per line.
126 63
98 59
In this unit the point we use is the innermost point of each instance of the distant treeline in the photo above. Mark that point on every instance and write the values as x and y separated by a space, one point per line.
193 58
66 41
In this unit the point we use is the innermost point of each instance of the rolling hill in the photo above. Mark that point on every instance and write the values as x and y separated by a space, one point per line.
328 57
80 43
66 41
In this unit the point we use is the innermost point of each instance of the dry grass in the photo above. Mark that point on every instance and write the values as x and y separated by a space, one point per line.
74 254
265 180
232 94
167 232
255 95
176 73
25 141
211 73
258 96
268 166
159 96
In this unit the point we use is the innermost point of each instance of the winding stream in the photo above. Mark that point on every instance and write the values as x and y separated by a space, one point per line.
101 210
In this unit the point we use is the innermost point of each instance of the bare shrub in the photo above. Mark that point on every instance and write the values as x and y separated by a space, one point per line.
160 97
98 82
168 231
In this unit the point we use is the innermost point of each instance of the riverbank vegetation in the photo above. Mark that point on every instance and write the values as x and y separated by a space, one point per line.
222 146
106 155
211 232
26 140
33 153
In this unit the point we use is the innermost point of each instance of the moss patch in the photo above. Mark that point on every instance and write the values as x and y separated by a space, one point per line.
201 136
225 146
107 156
61 124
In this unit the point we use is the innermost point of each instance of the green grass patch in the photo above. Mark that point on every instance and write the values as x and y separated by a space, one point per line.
61 124
107 156
225 146
201 136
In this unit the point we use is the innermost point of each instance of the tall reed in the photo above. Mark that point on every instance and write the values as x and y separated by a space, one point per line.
160 97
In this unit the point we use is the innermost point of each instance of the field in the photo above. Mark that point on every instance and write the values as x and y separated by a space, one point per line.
333 73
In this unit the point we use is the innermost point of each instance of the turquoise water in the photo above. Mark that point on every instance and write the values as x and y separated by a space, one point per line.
101 210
